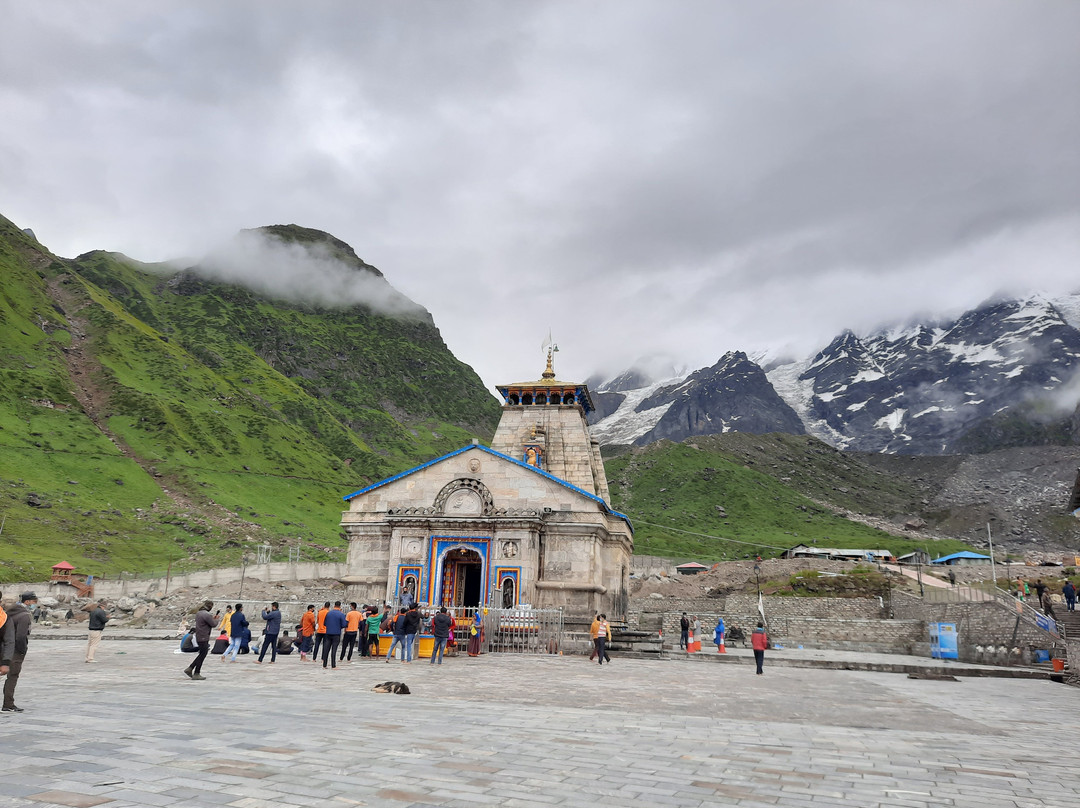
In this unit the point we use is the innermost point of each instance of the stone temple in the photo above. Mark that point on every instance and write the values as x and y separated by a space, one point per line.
526 522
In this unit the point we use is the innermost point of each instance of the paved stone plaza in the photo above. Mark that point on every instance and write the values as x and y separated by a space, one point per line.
131 730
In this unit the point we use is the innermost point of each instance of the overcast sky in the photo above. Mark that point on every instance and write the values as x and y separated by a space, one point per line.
679 178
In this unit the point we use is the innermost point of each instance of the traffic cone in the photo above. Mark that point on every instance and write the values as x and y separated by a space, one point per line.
721 648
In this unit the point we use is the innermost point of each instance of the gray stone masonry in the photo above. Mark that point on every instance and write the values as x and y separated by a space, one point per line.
852 624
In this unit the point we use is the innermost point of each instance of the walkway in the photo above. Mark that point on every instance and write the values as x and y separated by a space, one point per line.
523 731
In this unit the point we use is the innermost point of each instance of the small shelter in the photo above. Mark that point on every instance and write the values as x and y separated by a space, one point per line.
837 554
962 559
914 557
63 573
691 568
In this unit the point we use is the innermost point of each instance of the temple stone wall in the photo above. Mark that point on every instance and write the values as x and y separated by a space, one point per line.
565 438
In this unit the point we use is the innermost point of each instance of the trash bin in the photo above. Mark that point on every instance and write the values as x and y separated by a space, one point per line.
1059 665
1042 655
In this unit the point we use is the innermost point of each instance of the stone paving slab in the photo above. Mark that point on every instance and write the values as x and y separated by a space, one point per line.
504 730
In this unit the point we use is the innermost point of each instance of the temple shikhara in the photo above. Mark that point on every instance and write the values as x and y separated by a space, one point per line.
526 522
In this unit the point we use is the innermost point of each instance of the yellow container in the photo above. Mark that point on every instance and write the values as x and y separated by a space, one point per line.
422 646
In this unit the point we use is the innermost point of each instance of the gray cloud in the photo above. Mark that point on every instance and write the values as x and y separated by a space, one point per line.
309 273
643 178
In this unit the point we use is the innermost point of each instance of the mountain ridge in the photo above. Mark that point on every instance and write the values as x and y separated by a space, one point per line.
1003 374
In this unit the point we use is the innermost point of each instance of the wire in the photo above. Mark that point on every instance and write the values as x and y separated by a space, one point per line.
710 536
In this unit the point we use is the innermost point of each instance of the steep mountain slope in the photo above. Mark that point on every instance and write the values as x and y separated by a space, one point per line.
713 485
739 495
195 417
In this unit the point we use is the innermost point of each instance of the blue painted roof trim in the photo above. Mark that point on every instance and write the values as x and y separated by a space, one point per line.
533 469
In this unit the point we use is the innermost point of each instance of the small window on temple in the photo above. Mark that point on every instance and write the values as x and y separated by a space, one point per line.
526 399
541 398
568 398
514 399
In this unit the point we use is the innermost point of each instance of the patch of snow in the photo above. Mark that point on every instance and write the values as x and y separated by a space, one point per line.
927 410
1069 309
625 425
1016 371
868 376
980 401
892 421
799 395
857 407
974 354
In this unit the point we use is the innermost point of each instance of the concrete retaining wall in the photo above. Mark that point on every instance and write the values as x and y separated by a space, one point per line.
115 588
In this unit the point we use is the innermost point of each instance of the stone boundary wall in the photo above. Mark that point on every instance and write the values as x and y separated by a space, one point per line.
978 624
857 624
840 623
644 565
116 588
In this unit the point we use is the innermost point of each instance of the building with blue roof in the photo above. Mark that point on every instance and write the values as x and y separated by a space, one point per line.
961 559
527 521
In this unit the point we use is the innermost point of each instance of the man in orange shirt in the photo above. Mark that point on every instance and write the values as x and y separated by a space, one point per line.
320 628
352 628
307 631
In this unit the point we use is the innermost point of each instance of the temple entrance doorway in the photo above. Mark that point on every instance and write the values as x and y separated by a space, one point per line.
463 583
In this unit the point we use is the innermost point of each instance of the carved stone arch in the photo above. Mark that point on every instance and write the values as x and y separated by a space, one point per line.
465 497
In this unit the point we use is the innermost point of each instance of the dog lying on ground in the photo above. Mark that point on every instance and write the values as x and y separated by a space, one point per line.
392 687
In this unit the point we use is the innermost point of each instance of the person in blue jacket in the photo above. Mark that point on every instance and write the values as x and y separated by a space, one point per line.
335 623
272 616
236 632
718 634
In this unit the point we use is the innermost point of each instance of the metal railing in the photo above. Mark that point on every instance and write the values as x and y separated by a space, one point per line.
523 631
988 592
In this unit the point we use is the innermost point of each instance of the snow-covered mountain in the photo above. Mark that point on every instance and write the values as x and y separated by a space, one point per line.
732 395
914 390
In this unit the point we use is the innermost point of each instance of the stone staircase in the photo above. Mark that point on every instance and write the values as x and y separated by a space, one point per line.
632 643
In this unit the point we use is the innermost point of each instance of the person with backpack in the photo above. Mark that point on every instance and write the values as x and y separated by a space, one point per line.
759 640
320 629
307 631
684 632
237 625
374 621
398 628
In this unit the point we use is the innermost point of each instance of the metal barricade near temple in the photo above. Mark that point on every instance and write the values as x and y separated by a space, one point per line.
523 631
514 631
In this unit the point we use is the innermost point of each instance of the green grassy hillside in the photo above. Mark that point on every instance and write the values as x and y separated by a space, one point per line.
149 419
712 499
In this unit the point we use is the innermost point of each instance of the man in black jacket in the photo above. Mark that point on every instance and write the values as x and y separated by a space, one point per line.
440 629
20 618
98 618
412 626
272 616
204 624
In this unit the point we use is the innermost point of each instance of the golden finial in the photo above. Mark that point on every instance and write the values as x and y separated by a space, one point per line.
549 373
